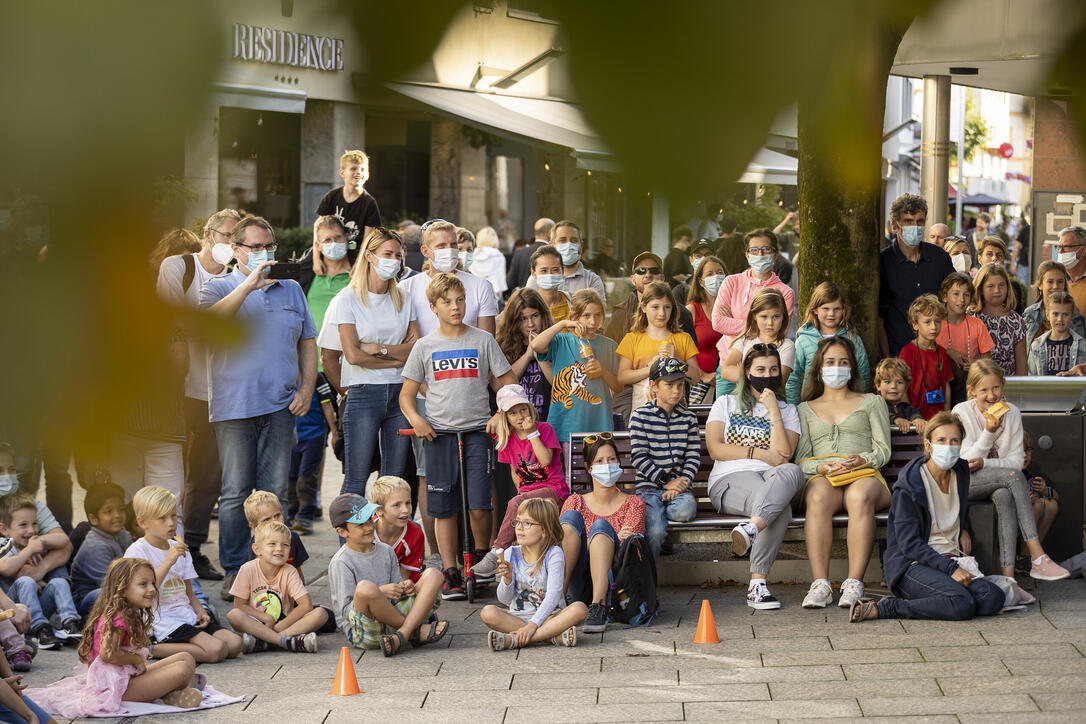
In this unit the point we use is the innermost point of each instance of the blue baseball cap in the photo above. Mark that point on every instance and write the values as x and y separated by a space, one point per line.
350 508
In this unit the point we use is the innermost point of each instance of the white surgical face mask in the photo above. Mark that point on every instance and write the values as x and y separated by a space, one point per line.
222 253
445 260
836 377
945 455
1067 258
912 235
549 282
712 284
387 268
606 474
256 258
760 264
466 259
334 250
570 252
9 483
960 262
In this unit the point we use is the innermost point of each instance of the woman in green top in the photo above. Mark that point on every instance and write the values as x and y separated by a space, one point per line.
838 420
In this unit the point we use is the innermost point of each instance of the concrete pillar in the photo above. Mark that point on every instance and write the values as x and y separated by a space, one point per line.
935 146
202 164
661 225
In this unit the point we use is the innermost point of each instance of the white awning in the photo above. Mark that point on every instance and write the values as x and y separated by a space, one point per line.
258 98
560 123
541 119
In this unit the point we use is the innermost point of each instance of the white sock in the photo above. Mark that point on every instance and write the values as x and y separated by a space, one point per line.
754 582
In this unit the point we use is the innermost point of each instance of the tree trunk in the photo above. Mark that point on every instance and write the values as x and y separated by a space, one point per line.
840 181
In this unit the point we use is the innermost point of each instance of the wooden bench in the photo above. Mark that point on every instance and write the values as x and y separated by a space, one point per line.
709 525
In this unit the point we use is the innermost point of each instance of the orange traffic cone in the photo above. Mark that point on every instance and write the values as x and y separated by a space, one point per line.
706 631
346 683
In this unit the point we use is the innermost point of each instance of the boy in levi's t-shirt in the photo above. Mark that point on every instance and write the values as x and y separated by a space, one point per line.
271 604
180 622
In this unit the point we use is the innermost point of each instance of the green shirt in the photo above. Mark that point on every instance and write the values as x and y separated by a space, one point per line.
320 296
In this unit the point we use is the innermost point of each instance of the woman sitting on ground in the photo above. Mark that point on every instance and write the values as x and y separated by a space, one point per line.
926 535
594 524
844 430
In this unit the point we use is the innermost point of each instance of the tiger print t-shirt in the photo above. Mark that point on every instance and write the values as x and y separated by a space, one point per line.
579 404
748 429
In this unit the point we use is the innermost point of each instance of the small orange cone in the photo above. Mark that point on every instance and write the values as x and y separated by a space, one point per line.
346 683
706 631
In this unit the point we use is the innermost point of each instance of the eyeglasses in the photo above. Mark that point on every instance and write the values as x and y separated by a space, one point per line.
647 270
216 231
598 437
259 247
524 524
1067 247
761 250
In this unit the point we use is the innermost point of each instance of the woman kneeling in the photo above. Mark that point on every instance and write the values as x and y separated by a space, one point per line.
927 533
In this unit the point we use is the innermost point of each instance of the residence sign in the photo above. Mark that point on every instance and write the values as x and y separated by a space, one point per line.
283 47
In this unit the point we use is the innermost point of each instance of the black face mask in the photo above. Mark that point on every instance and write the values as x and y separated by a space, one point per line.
759 384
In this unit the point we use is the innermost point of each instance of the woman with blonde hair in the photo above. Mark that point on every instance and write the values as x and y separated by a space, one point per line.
488 261
377 330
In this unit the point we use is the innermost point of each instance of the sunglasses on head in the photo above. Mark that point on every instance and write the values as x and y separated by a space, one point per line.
431 222
673 367
598 437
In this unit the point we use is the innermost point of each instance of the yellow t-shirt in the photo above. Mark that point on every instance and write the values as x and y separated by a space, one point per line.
640 349
560 311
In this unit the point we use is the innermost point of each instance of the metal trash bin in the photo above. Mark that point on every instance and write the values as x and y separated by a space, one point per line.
1054 414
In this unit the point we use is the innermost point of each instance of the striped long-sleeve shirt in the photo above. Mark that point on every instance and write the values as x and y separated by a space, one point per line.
664 447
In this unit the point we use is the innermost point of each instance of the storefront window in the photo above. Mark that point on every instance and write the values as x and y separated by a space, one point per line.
259 164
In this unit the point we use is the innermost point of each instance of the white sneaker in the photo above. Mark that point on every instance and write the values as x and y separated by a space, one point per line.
820 595
852 591
759 597
743 536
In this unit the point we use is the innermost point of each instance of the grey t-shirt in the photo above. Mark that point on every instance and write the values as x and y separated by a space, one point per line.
348 567
456 372
93 559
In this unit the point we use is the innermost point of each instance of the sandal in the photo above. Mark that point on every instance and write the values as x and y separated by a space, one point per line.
437 632
859 610
386 643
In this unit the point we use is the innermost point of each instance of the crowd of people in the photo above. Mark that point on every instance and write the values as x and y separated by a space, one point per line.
496 372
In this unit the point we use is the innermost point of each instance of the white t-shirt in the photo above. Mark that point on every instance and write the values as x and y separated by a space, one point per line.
478 293
786 348
379 321
173 607
750 429
945 510
168 288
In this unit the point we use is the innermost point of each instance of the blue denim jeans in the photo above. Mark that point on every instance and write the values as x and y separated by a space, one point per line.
7 715
372 416
926 593
303 495
56 598
1075 564
87 602
255 455
575 520
681 508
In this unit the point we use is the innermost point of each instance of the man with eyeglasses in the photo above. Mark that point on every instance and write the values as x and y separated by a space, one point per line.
647 268
180 279
258 384
1071 252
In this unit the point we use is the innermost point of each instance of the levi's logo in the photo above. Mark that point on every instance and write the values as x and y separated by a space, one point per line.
455 363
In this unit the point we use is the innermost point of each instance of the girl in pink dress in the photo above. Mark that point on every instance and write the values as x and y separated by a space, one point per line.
113 653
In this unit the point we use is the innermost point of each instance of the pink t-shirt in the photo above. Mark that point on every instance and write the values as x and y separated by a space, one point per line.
533 476
275 597
100 631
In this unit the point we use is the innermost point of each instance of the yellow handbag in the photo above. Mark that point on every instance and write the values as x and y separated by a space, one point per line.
839 480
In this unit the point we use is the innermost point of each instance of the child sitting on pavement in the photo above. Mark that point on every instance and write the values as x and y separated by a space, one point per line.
105 541
181 625
374 606
393 525
532 577
892 381
271 604
29 580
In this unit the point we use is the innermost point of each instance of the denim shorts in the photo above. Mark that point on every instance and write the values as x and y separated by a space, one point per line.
443 473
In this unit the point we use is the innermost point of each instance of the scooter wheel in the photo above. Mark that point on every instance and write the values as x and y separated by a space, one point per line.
469 586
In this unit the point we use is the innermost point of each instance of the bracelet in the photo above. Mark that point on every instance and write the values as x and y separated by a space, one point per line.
750 453
532 435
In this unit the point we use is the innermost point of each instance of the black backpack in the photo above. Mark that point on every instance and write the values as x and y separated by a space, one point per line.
633 592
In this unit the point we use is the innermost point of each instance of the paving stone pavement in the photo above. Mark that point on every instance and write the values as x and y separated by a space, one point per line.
786 665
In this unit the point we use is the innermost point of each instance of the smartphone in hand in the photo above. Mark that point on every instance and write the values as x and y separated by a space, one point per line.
285 270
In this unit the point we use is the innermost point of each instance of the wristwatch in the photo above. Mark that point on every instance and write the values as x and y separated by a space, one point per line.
384 351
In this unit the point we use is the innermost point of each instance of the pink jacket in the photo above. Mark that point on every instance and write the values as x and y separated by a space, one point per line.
735 295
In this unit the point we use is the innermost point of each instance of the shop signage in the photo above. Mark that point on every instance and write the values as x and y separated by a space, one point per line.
283 47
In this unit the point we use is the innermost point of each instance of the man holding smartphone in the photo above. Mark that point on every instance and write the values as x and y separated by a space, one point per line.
257 385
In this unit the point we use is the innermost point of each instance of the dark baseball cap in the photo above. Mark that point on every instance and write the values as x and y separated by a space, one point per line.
350 508
668 369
